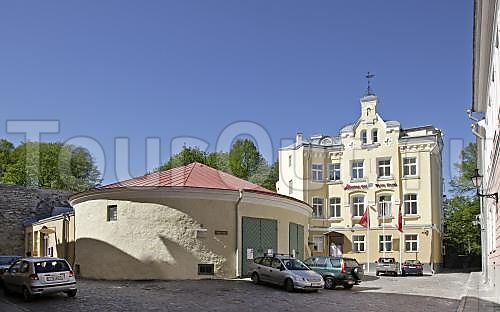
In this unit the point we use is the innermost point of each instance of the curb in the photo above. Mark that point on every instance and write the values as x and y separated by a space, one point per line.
463 297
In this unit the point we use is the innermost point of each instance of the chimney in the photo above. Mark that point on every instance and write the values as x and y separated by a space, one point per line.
298 138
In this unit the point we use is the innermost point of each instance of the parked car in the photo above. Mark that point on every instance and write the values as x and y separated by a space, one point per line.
337 271
6 262
412 267
285 271
386 266
38 276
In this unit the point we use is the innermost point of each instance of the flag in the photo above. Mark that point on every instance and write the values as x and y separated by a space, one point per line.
400 220
365 219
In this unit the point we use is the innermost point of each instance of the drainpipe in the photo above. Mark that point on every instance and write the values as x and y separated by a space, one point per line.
238 233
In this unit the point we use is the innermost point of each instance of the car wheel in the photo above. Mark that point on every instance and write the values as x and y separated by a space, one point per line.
26 295
396 274
255 278
329 283
348 286
71 293
377 273
289 285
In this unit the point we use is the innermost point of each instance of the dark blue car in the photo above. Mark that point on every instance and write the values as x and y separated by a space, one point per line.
412 267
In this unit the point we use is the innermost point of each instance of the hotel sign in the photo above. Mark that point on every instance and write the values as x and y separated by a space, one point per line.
367 186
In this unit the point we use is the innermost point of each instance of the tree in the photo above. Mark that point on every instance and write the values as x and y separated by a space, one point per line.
52 165
6 149
463 236
244 159
186 156
461 184
266 176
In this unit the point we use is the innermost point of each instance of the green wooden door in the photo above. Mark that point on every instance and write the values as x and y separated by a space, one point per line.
258 237
296 240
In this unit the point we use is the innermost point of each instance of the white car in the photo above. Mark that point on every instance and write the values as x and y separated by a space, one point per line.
285 271
38 276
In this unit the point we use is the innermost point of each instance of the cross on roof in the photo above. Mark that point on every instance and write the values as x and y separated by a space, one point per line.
369 76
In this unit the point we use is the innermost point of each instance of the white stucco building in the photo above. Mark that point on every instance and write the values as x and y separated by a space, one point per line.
486 102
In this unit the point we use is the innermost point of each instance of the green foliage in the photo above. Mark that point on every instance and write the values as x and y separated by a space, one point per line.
244 159
461 184
462 235
51 165
6 150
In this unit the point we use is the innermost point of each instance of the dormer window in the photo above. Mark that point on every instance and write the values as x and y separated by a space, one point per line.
364 138
375 136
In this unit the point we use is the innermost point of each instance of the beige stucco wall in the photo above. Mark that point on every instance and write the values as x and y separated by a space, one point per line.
164 233
60 237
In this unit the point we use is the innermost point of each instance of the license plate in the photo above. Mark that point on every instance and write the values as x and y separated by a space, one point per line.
412 267
52 278
316 284
350 282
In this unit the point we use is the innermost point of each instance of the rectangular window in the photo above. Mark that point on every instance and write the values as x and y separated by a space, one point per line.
112 213
375 136
358 243
411 205
411 242
357 169
206 269
384 206
384 168
335 207
358 206
318 208
385 243
319 243
317 172
364 138
410 166
290 187
334 172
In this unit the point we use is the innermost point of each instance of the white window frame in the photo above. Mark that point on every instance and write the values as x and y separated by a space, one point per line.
364 137
356 212
334 171
319 241
409 166
318 205
317 172
385 243
411 242
355 171
384 168
384 206
290 187
335 206
411 204
359 241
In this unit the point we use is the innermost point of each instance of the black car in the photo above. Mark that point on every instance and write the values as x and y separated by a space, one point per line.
337 271
412 267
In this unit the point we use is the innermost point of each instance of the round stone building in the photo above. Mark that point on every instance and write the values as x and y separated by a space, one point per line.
185 223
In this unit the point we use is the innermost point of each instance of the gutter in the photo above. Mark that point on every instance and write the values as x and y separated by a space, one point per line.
238 232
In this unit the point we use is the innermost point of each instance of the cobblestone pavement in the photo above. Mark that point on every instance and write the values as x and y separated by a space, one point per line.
430 293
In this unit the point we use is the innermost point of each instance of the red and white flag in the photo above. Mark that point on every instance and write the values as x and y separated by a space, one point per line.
400 220
365 219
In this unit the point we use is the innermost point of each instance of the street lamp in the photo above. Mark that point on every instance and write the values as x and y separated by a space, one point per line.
477 181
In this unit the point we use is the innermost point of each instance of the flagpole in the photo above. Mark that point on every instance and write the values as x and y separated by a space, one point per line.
368 237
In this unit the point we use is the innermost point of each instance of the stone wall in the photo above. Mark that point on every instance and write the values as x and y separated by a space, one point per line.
19 205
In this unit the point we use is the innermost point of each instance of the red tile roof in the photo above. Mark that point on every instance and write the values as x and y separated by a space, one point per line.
192 175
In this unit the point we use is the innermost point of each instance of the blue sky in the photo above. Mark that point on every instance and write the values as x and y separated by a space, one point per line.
138 69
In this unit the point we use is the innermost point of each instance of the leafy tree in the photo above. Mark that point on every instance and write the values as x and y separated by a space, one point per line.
52 165
186 156
463 236
461 184
265 175
244 159
219 161
6 149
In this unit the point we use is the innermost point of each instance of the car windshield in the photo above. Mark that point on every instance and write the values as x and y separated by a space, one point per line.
7 260
51 266
294 264
412 262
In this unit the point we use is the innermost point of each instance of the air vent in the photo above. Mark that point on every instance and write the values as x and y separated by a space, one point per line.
206 269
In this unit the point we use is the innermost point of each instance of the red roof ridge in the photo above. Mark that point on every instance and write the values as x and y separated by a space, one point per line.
193 164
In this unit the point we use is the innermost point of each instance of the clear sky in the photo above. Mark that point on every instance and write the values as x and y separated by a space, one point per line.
138 69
